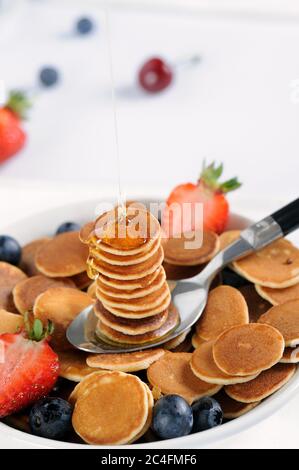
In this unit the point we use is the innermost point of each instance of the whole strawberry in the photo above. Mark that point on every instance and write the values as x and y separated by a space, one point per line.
208 192
12 136
28 367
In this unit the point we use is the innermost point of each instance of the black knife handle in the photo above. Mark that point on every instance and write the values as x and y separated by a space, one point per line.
288 217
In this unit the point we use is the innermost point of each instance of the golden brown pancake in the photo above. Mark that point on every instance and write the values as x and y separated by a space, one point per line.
85 384
290 356
176 273
276 265
86 232
248 349
172 374
278 296
63 256
204 367
60 305
81 280
107 333
9 277
131 272
138 304
285 318
197 341
10 322
147 312
179 251
263 385
149 416
129 260
232 408
225 307
113 411
228 237
157 283
130 326
26 291
256 304
73 365
29 251
126 362
133 284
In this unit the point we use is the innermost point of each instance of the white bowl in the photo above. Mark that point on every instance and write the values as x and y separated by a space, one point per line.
45 223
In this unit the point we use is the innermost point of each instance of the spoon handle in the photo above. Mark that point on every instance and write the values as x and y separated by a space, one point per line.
288 217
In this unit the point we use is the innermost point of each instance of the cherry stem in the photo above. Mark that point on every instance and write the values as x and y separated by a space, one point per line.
187 61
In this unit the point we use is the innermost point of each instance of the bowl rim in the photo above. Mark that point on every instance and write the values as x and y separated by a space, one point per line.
204 438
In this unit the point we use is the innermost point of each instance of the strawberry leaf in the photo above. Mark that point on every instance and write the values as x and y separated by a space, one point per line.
19 103
210 178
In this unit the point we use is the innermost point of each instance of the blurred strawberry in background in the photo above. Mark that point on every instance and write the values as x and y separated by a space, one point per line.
12 135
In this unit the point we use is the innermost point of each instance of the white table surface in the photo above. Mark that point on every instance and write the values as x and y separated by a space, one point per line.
235 107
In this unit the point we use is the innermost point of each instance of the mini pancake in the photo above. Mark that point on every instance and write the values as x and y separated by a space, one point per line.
138 229
248 349
147 312
128 260
73 365
60 305
176 250
9 277
266 383
173 343
157 283
130 326
63 256
113 411
185 346
203 366
278 296
29 251
126 362
85 384
256 304
149 416
91 291
225 307
276 265
232 408
131 272
197 340
172 374
107 333
227 238
176 273
149 301
130 284
10 322
26 291
290 356
81 280
285 318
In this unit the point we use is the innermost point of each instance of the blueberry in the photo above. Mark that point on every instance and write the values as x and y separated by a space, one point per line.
10 250
48 76
172 417
50 417
67 227
84 25
230 278
207 413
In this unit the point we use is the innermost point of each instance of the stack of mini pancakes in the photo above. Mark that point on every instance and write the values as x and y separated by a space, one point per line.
133 297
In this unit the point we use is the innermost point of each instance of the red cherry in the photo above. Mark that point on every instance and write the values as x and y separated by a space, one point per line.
155 75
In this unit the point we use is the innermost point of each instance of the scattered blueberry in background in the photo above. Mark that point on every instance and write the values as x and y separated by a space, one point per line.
84 26
230 278
10 250
68 227
48 76
50 417
172 417
207 414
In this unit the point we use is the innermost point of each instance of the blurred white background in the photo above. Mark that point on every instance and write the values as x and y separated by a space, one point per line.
238 106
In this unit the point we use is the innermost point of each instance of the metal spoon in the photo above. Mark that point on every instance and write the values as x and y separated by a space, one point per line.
190 296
